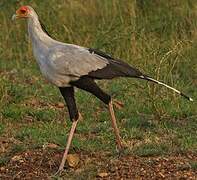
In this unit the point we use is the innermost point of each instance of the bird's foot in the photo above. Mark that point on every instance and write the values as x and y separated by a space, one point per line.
121 149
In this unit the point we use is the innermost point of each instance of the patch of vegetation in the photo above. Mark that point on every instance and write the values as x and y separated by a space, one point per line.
13 111
157 37
151 150
4 161
193 165
2 127
43 114
42 133
17 148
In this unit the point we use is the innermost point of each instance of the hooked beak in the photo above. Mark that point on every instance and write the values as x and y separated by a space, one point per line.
14 17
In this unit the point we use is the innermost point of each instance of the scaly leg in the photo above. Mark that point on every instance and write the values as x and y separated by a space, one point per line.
72 130
114 125
68 94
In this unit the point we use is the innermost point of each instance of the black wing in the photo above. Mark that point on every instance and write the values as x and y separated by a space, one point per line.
115 68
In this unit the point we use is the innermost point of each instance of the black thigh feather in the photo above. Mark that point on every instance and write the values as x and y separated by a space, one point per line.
68 94
90 86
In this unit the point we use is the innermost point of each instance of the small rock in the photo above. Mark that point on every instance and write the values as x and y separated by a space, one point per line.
17 158
51 146
13 71
60 105
73 160
102 174
34 102
162 175
2 169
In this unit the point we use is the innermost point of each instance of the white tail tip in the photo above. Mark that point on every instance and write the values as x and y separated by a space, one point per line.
191 99
163 84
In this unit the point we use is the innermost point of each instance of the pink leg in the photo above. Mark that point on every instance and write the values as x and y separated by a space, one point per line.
114 125
72 130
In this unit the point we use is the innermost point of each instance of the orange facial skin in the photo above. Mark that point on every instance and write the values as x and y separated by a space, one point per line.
22 12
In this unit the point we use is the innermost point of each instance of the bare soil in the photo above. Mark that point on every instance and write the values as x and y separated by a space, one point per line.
43 163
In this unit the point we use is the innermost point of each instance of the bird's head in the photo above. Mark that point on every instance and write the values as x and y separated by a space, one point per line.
23 12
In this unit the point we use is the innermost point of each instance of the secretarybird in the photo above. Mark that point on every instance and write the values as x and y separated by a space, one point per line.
68 66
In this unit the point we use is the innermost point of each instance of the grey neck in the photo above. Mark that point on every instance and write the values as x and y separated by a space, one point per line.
37 35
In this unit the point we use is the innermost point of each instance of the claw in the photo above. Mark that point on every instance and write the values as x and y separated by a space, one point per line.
121 151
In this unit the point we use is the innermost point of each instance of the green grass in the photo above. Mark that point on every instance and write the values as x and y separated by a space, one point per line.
157 37
3 160
193 165
151 150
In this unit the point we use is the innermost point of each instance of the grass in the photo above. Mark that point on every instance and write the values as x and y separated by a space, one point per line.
157 37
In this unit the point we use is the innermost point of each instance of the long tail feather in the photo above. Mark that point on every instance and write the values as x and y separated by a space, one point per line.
169 87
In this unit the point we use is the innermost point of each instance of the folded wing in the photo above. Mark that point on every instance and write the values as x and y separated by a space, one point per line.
77 61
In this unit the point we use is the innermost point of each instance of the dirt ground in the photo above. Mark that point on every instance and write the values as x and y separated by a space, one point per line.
43 163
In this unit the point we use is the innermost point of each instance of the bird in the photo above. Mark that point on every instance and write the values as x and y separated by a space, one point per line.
69 66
